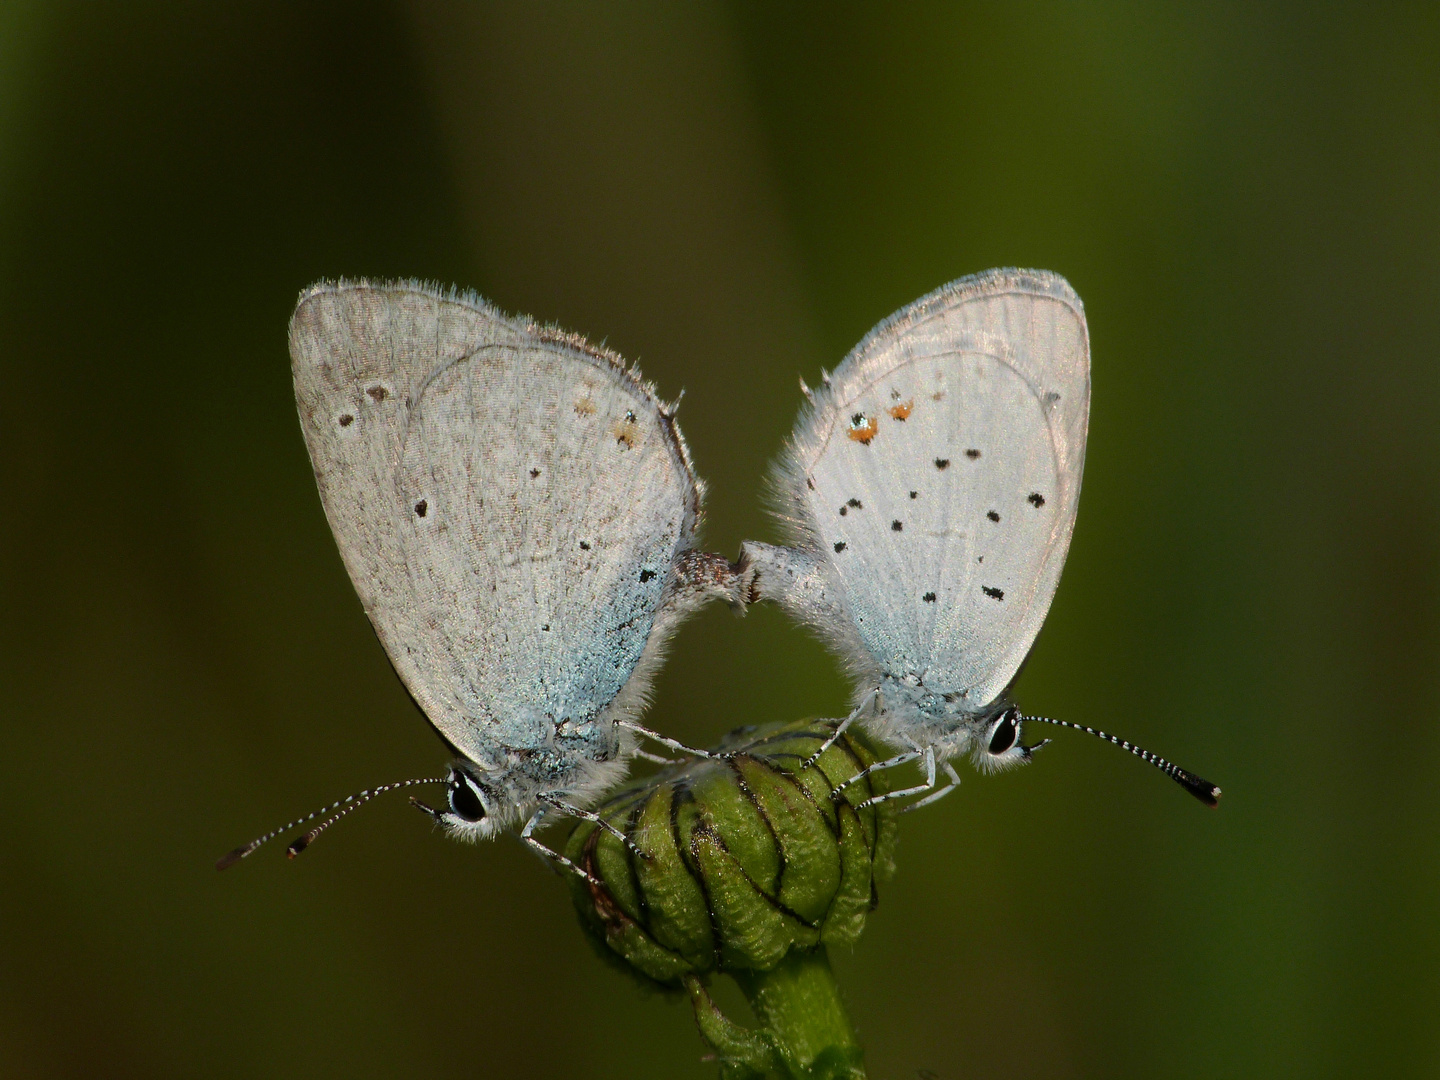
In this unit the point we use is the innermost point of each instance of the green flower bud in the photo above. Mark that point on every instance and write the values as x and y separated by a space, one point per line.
740 858
751 865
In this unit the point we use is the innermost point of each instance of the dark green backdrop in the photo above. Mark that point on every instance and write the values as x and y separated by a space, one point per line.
1247 199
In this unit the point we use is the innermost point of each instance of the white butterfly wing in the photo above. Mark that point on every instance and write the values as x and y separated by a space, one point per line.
937 475
509 503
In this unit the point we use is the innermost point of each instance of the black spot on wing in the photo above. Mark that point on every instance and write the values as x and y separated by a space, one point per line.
421 508
942 463
913 494
972 454
992 515
895 526
997 594
1036 500
346 419
839 546
646 575
929 598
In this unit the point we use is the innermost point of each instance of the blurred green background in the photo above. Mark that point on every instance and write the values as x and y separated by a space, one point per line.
1247 198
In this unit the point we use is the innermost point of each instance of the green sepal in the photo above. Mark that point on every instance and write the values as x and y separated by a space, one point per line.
678 916
743 1054
805 1033
721 808
608 922
753 931
809 854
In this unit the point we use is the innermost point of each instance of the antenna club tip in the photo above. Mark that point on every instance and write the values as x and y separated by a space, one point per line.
230 858
1207 793
297 846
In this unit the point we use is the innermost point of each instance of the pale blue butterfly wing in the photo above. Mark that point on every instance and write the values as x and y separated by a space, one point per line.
932 485
514 507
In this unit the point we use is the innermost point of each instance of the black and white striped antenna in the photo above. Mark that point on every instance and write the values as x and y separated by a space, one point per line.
1203 790
336 810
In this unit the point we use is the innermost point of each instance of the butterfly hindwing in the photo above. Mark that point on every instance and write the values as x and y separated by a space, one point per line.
937 476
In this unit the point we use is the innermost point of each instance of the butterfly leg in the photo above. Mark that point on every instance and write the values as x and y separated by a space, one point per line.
938 795
659 759
920 789
879 766
594 819
840 729
679 747
545 853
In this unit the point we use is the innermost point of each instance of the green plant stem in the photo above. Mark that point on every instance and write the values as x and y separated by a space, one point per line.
798 1002
805 1033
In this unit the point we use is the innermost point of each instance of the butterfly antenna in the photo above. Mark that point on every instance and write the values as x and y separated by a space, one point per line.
336 810
1203 790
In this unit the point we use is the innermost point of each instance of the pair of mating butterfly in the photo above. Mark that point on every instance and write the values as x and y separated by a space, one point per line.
517 511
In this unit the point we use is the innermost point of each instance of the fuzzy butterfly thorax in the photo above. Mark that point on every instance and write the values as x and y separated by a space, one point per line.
906 709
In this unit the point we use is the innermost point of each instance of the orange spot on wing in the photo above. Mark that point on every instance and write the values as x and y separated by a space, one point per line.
863 428
901 411
626 432
584 407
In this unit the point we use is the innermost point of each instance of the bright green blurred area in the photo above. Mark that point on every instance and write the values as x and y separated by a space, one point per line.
1248 200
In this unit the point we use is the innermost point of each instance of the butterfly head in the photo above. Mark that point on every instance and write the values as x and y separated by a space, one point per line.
999 746
471 807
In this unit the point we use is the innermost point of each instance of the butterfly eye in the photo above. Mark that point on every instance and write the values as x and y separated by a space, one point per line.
1004 733
465 801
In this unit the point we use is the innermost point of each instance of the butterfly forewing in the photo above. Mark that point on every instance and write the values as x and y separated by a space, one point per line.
442 435
941 474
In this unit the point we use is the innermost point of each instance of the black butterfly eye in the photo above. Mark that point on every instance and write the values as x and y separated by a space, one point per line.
1006 732
464 802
